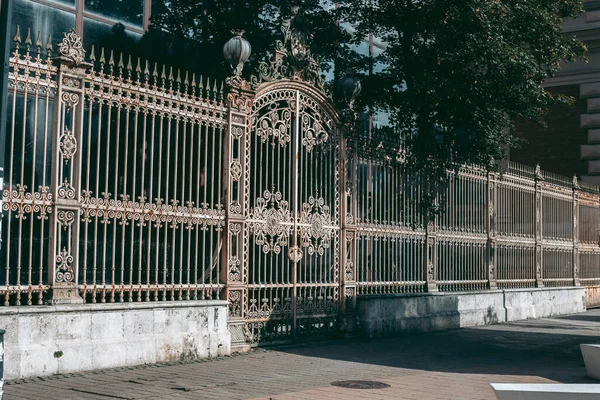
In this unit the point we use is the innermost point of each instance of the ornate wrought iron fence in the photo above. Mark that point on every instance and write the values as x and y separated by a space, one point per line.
132 182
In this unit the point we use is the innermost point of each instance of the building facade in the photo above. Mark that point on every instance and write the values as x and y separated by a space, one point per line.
570 143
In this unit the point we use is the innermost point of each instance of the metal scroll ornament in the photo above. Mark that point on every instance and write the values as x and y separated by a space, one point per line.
71 48
291 59
271 222
316 227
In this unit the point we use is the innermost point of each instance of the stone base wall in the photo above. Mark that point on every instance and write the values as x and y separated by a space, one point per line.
592 296
381 316
46 340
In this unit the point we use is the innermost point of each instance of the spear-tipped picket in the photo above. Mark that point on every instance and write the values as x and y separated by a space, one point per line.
138 70
221 92
207 88
155 75
178 80
200 88
121 65
163 77
111 63
28 42
129 69
38 47
171 78
186 83
193 84
146 72
214 90
102 60
49 47
93 56
17 40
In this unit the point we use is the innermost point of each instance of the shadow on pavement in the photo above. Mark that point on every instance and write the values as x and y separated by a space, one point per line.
535 349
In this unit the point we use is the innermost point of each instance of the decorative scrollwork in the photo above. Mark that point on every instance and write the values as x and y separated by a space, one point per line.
295 254
235 170
349 270
237 131
106 209
65 218
316 227
235 207
66 190
71 47
291 59
67 145
70 99
313 131
235 274
256 311
235 228
235 308
271 222
22 202
275 124
64 271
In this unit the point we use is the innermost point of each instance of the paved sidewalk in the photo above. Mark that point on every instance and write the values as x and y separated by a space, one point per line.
456 364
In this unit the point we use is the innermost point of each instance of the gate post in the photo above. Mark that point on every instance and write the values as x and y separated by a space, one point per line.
348 210
67 136
235 196
575 232
539 282
491 229
430 267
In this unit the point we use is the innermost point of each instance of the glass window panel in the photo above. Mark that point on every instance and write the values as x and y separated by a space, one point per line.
111 37
129 11
39 17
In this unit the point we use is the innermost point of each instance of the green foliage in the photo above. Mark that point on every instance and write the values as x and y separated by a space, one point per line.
456 72
469 67
193 32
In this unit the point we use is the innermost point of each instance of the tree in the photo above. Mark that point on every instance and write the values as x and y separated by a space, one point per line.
191 33
457 72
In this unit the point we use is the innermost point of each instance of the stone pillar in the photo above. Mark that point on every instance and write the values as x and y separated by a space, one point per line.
66 169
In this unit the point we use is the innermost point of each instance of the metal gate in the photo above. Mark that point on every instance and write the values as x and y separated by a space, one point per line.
292 219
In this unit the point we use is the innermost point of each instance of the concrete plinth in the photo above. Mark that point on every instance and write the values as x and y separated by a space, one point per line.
46 340
389 315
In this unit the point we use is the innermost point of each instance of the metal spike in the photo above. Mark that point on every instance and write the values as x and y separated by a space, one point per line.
111 61
185 80
129 67
102 58
17 38
93 54
214 85
193 84
163 75
154 72
146 69
138 69
171 76
28 41
207 87
121 65
178 75
38 44
49 46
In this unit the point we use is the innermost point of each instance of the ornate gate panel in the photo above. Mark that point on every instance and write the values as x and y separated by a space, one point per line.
292 227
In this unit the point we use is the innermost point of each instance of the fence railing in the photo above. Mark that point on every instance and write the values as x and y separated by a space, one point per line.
114 190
